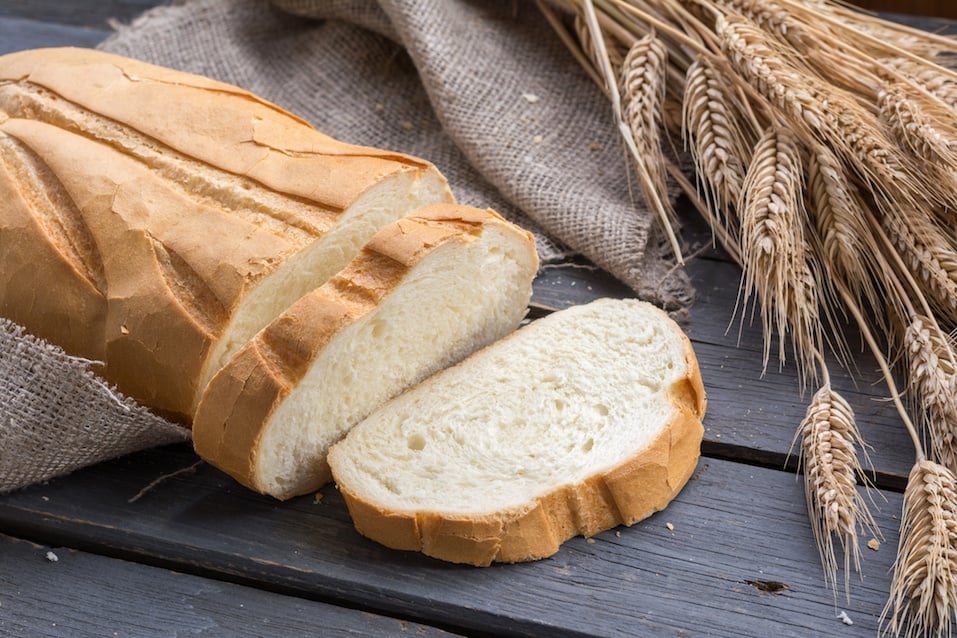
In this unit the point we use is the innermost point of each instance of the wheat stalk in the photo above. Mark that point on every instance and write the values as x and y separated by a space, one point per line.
924 588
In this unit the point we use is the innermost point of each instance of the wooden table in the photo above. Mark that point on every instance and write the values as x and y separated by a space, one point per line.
732 556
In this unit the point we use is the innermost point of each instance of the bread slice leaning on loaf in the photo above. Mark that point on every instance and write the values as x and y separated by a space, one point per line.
156 220
425 292
578 422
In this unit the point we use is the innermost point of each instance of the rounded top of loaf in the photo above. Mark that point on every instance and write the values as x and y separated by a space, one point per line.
212 121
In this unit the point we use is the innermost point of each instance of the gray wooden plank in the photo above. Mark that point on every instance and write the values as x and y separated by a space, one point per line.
70 12
732 524
52 591
17 34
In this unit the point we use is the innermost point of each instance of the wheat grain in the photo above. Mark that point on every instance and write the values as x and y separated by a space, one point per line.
828 442
923 593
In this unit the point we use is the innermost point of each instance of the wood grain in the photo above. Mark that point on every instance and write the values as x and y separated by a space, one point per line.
51 591
732 524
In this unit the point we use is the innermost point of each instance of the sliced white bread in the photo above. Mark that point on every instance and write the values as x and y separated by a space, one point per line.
425 292
578 422
156 220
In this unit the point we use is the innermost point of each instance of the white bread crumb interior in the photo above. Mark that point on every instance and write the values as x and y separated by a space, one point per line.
569 396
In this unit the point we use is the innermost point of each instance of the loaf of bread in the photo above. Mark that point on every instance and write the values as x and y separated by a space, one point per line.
425 292
580 421
155 220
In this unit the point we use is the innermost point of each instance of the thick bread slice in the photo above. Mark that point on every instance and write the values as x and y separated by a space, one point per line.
156 220
580 421
425 292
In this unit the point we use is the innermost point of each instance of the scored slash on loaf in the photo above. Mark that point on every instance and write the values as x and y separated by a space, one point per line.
581 421
155 220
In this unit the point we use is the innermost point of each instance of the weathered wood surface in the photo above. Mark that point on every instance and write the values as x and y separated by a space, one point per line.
52 591
87 13
732 524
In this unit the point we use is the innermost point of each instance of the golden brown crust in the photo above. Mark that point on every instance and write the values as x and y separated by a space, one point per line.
142 205
227 436
624 495
216 123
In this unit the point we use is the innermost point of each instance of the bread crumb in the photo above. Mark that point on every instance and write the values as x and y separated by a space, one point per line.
52 557
670 527
44 498
844 618
874 544
407 125
618 534
590 541
595 146
124 330
317 499
379 107
531 98
537 139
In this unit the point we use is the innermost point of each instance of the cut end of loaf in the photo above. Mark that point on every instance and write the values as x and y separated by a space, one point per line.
425 292
581 421
383 203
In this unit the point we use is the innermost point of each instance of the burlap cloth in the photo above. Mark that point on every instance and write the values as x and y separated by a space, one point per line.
484 89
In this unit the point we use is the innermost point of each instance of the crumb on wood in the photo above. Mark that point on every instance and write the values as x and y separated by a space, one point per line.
670 527
317 499
50 556
844 618
590 541
768 586
618 533
874 544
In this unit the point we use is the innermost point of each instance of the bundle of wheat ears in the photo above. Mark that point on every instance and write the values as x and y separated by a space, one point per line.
824 143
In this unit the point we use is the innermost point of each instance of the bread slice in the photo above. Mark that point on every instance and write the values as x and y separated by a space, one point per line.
580 421
156 220
425 292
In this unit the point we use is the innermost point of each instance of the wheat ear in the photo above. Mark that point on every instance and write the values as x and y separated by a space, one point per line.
933 375
929 77
776 260
927 252
828 441
656 200
923 593
821 111
711 129
642 84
